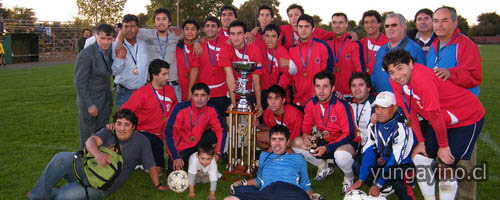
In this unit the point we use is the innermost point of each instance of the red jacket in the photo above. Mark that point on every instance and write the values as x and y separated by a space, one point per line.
288 39
250 52
215 76
334 116
291 118
184 52
370 48
442 103
320 59
187 124
152 115
347 61
272 72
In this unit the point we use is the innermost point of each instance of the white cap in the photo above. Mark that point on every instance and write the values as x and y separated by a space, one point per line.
385 99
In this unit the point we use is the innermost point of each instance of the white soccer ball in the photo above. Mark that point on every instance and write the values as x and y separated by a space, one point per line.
178 181
355 195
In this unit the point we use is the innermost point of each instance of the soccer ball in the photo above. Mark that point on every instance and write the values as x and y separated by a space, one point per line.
178 181
355 195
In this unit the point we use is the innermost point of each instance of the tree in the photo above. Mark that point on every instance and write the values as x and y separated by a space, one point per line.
463 25
489 25
248 12
101 11
143 18
21 13
195 9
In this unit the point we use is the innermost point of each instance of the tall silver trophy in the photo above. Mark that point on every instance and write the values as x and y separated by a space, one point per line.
243 68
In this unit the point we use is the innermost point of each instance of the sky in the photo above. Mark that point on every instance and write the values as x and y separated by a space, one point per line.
66 10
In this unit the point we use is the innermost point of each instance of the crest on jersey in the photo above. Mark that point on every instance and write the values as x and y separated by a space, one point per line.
348 56
334 118
318 60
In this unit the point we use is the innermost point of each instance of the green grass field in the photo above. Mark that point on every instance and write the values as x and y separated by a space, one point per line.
38 118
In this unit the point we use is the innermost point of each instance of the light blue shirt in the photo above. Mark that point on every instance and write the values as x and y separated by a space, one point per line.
136 58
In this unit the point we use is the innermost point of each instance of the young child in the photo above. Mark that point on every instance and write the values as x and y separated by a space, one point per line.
203 168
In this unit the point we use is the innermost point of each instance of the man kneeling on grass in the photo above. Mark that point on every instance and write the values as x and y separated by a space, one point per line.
281 175
134 147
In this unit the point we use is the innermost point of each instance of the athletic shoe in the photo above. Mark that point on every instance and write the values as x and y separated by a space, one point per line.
346 185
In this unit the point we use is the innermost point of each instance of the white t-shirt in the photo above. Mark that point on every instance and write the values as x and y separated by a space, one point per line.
195 167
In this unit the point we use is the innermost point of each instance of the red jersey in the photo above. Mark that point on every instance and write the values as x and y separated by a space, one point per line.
291 118
370 48
216 55
290 37
152 107
272 72
442 103
310 58
334 116
224 34
251 53
188 123
186 60
347 61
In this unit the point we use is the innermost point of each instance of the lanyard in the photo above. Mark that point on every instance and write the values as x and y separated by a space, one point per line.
191 119
337 56
158 98
368 55
282 117
186 59
358 117
131 55
327 119
272 62
212 60
104 59
383 145
438 58
408 107
293 36
244 49
304 64
162 51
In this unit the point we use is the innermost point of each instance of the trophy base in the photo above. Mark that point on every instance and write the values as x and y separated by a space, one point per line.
237 174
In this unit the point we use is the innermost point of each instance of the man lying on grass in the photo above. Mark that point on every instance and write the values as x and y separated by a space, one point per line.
133 147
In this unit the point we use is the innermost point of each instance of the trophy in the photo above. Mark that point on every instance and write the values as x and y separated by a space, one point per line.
242 127
316 135
243 68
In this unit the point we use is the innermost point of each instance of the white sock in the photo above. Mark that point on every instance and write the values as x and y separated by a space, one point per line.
309 158
448 189
344 162
424 176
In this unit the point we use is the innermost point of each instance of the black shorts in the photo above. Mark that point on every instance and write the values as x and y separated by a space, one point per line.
329 155
221 104
156 148
461 141
274 191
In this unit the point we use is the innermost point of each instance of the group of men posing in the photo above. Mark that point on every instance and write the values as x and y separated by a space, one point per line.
179 85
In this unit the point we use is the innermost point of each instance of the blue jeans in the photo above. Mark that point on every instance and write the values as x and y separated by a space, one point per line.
122 96
178 93
61 166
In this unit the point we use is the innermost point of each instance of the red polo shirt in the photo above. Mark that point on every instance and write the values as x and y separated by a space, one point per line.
186 60
370 48
216 55
291 118
347 61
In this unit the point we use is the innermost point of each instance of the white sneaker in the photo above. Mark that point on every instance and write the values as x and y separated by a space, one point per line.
139 167
346 185
386 191
322 174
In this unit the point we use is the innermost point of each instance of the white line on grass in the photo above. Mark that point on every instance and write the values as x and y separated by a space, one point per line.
485 137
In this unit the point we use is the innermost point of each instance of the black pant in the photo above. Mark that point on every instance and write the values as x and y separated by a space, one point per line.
208 137
156 149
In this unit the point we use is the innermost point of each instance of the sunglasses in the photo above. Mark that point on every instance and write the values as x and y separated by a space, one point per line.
391 25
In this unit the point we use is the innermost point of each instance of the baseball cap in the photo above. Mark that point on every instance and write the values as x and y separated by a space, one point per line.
385 99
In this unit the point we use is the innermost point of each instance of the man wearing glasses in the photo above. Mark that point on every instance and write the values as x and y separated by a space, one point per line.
395 30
